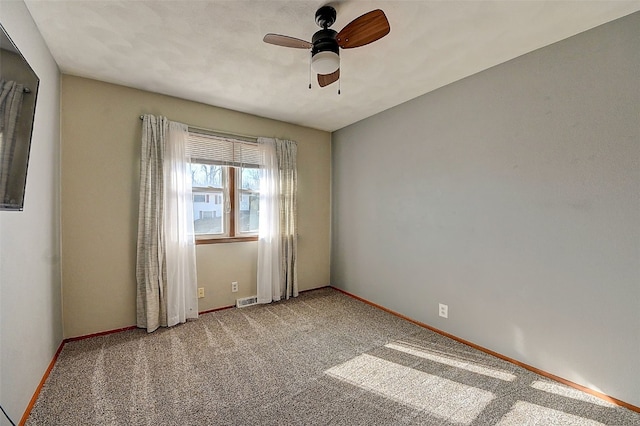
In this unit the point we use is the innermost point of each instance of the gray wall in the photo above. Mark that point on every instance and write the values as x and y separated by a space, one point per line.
30 299
513 197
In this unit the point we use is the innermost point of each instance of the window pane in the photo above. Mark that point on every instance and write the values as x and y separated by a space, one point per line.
249 209
205 175
208 210
250 179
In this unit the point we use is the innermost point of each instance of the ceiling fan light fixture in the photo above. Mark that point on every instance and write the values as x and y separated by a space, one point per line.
326 43
326 62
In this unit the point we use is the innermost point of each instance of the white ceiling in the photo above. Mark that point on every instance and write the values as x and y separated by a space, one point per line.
212 51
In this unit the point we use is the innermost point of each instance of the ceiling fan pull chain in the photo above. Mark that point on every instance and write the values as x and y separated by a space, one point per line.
310 57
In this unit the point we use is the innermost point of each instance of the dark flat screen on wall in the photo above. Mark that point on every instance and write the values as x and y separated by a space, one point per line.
18 92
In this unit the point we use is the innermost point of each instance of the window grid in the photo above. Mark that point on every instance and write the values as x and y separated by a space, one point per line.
231 177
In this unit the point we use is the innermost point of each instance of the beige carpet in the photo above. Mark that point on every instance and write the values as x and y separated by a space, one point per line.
320 359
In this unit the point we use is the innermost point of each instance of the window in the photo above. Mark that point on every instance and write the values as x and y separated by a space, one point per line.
225 181
208 186
248 200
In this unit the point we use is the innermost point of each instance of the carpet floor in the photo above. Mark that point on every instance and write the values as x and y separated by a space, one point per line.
321 359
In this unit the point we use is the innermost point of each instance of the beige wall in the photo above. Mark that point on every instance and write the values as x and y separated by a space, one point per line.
101 132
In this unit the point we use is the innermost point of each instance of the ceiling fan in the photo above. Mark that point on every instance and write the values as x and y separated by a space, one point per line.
325 44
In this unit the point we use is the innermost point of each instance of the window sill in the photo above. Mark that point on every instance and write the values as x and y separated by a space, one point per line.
226 240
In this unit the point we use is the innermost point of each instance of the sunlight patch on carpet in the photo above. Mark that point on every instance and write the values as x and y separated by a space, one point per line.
533 415
474 368
561 390
440 397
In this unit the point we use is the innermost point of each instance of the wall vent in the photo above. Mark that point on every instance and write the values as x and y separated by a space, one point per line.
246 301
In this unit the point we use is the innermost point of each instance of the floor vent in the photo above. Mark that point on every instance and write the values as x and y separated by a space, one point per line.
246 301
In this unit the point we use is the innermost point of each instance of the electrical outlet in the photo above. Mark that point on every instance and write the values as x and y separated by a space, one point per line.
200 292
443 310
234 286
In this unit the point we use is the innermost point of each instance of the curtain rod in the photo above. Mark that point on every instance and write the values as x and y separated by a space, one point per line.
245 138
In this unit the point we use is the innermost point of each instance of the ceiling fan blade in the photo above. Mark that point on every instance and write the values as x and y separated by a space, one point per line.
327 79
366 29
286 41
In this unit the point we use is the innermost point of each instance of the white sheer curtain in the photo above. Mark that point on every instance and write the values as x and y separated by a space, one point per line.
182 285
268 281
277 235
166 267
